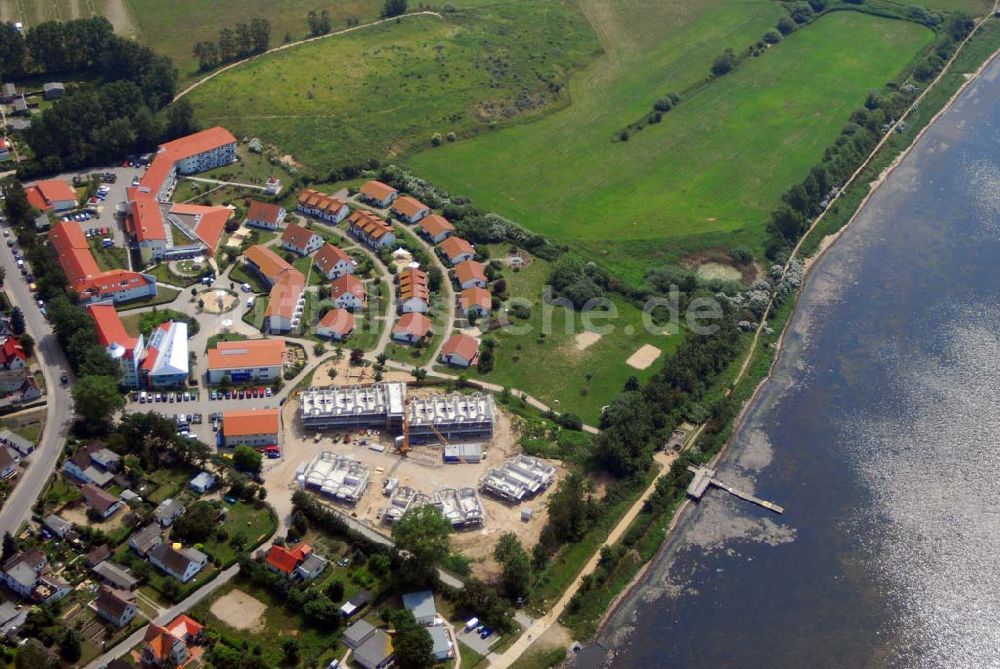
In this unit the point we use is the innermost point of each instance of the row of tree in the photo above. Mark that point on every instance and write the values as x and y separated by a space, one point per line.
57 47
240 41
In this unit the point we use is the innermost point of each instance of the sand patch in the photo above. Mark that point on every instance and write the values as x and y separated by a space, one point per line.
644 357
240 611
217 301
717 271
586 339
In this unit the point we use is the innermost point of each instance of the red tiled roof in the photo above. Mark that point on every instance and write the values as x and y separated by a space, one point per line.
159 642
469 270
145 218
476 296
370 224
434 225
297 236
43 194
377 190
199 142
329 255
285 294
264 211
413 323
462 345
85 277
184 627
247 353
313 199
340 321
11 349
286 560
413 284
250 422
211 222
456 246
267 261
110 329
348 283
408 206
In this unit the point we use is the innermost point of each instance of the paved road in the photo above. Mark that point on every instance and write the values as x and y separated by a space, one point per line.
165 617
17 509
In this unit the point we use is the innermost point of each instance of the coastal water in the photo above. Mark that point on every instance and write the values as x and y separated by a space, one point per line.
880 435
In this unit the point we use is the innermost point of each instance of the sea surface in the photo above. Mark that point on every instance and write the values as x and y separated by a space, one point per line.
880 435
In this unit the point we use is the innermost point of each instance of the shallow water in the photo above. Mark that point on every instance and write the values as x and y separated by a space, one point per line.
880 436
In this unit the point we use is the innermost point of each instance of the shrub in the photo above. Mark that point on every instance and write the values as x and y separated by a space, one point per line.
436 139
786 26
450 137
772 36
724 63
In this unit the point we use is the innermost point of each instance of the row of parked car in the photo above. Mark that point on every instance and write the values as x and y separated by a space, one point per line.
142 397
79 216
243 393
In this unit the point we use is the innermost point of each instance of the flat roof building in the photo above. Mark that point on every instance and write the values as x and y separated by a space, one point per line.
254 427
520 477
379 405
336 476
246 360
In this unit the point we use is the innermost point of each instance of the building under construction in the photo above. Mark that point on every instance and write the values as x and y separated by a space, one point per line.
431 419
520 477
460 506
339 477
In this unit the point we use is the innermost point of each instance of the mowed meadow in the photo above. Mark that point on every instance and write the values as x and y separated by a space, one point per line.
713 169
380 91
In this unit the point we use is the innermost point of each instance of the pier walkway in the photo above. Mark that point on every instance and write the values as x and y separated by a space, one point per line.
705 477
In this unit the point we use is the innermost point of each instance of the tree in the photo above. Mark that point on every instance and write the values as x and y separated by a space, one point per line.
97 400
357 356
69 646
786 26
17 321
393 8
196 524
9 547
180 120
290 648
422 535
260 34
516 575
570 511
32 655
724 63
246 459
207 54
411 642
227 44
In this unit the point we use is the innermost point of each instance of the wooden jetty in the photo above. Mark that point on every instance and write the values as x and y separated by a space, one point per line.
705 477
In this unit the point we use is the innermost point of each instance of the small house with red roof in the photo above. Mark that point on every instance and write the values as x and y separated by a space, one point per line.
160 648
298 563
370 229
322 206
436 228
457 250
348 292
12 355
411 328
300 240
410 209
332 262
460 351
265 215
475 301
336 324
51 195
470 274
379 194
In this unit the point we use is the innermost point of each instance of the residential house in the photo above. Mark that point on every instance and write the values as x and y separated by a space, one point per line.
442 647
246 360
181 563
53 90
411 328
265 215
101 501
348 292
202 483
460 350
28 574
8 463
12 355
146 539
51 195
358 633
300 240
252 427
21 106
287 297
470 274
6 149
322 206
115 575
160 648
376 652
93 463
436 228
360 599
7 93
457 250
116 606
475 301
310 568
333 262
370 229
379 194
414 295
186 628
298 563
421 605
24 447
12 619
98 555
57 525
336 324
410 209
168 511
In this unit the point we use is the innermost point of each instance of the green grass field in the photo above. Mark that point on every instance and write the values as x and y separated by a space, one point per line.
716 165
385 89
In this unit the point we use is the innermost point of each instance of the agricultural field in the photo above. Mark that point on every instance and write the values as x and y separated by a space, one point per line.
711 172
383 90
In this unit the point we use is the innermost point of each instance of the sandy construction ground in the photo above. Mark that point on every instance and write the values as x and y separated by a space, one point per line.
218 301
586 339
240 611
644 357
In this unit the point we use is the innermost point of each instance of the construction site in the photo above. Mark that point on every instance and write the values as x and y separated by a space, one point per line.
375 451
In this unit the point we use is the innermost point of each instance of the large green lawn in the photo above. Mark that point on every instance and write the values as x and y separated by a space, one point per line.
716 165
385 89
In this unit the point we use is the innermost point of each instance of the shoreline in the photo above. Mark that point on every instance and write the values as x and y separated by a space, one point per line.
824 245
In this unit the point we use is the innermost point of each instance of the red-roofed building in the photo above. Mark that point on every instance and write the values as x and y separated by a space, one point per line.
265 215
322 206
86 278
475 301
470 274
336 324
124 349
457 250
12 355
414 295
160 648
348 292
300 240
410 209
253 427
332 261
285 302
436 228
186 628
411 328
460 351
299 562
370 229
207 223
246 360
51 194
378 193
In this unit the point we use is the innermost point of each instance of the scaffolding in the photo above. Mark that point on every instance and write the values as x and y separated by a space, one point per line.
517 479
